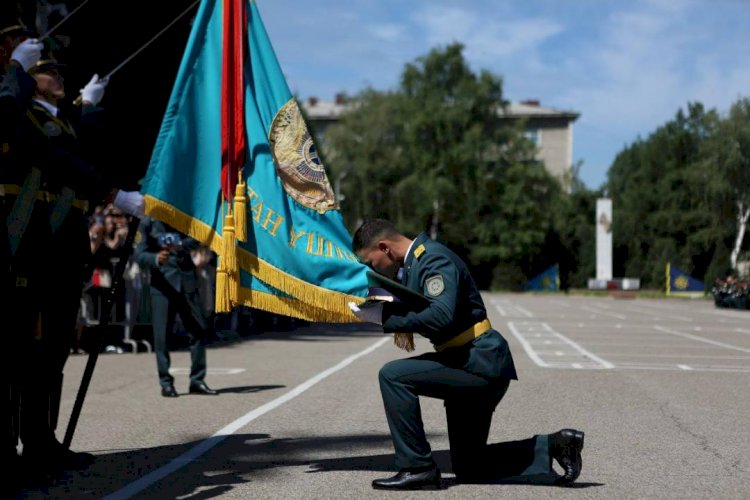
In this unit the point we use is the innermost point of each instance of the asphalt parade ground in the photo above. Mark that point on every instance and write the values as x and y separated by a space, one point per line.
661 388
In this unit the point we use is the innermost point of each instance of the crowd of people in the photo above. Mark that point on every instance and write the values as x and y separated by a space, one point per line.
731 292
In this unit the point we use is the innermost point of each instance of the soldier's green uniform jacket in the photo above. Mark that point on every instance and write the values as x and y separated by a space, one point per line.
456 310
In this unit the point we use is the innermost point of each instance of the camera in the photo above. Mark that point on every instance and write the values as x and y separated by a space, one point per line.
170 240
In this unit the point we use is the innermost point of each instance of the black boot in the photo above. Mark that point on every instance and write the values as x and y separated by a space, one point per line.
407 480
565 446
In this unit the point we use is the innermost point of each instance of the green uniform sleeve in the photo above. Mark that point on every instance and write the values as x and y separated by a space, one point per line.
436 322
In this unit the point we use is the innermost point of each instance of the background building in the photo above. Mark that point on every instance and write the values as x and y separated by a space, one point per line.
550 129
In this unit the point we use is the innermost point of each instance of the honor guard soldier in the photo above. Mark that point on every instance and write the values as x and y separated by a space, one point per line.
66 179
21 217
470 370
70 183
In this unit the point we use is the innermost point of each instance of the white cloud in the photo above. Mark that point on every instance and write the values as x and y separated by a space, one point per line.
390 33
627 67
485 38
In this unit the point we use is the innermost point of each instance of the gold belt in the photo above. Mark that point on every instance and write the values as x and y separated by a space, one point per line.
15 190
467 335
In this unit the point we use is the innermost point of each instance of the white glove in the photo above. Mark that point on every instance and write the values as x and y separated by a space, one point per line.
94 90
370 313
131 202
27 53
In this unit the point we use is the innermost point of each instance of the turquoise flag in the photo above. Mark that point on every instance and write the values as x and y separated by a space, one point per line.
681 283
548 281
297 259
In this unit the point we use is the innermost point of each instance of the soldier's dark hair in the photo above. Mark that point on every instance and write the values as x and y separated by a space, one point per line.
371 231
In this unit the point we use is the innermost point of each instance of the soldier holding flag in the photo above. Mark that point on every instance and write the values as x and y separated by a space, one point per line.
470 370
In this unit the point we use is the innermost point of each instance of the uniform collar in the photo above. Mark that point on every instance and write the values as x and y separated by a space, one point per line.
51 108
409 260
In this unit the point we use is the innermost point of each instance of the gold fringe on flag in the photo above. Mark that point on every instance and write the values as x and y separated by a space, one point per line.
307 301
223 302
240 209
404 341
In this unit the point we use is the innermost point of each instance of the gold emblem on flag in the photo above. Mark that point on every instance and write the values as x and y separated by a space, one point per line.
681 282
296 160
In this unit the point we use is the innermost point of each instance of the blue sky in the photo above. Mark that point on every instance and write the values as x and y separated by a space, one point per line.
626 66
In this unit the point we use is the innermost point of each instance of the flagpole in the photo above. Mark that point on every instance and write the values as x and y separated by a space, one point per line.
78 100
53 28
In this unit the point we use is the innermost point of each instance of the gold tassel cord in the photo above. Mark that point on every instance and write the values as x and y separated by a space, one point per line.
223 302
229 258
404 341
229 245
240 209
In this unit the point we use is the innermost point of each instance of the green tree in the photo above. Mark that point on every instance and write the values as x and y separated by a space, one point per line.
681 195
434 156
728 155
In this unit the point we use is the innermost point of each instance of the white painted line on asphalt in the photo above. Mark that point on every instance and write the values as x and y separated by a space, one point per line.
742 330
727 313
524 312
527 347
196 451
584 352
507 308
684 367
723 369
599 311
672 356
701 339
523 329
641 312
657 367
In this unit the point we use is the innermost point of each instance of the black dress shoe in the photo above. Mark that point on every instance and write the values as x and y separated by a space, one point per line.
565 447
202 388
53 457
168 391
76 460
406 480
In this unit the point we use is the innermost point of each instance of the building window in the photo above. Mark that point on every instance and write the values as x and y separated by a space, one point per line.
534 135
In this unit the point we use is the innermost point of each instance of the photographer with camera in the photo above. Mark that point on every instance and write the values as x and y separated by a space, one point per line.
174 290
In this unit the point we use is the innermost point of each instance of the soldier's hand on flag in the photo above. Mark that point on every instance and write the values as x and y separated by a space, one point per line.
93 92
27 53
371 313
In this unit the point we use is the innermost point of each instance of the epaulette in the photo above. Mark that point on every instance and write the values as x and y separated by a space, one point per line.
419 251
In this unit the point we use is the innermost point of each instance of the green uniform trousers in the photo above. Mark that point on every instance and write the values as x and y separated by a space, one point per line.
470 401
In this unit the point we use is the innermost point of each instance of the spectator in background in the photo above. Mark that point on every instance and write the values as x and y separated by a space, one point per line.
174 290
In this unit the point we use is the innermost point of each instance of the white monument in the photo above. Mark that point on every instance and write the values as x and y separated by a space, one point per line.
604 239
604 279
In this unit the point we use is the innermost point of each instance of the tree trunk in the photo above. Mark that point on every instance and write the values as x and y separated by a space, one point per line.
435 215
742 217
